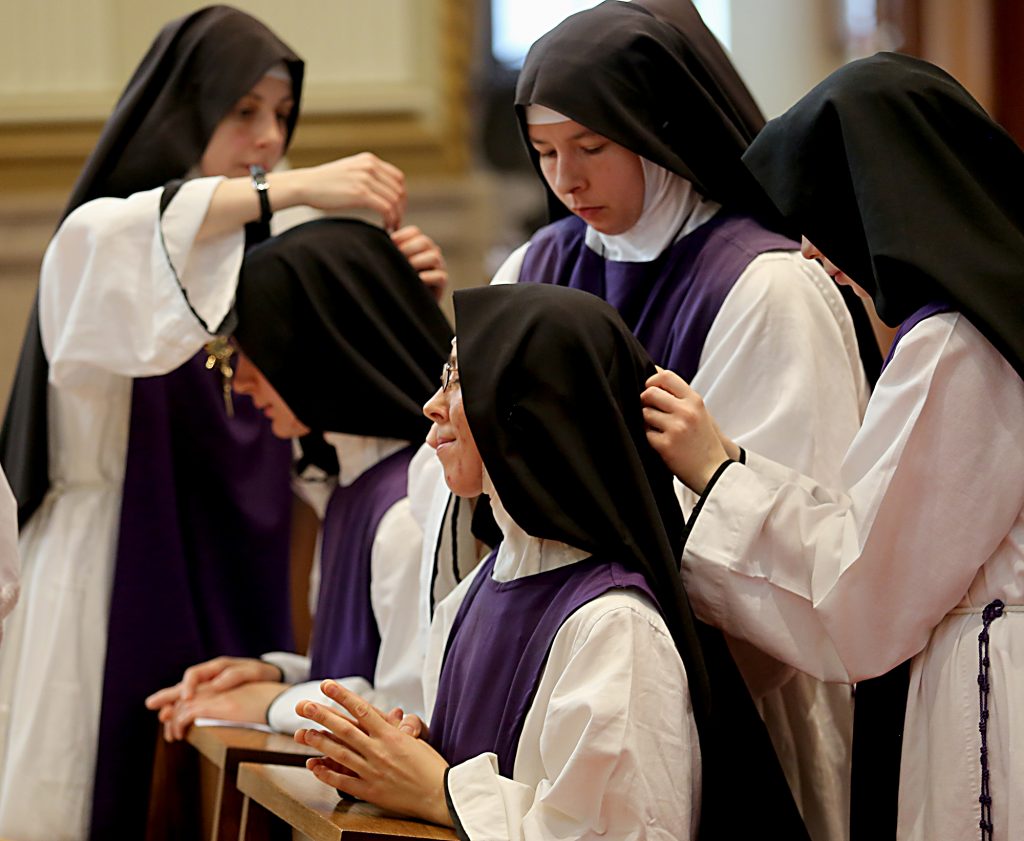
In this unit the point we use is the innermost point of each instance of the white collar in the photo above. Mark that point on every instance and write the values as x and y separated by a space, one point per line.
358 453
672 209
520 554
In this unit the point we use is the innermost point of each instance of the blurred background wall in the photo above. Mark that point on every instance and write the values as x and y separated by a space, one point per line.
428 85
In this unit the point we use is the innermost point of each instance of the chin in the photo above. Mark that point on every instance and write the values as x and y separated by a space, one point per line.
610 229
463 486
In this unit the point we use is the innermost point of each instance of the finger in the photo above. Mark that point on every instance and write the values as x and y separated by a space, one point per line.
234 676
413 725
423 260
671 382
331 765
658 398
366 715
394 717
395 202
341 754
654 420
182 721
375 164
405 234
435 281
347 732
344 782
163 697
166 713
194 675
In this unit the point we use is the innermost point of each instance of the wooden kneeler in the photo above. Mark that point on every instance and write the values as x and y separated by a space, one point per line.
279 800
194 793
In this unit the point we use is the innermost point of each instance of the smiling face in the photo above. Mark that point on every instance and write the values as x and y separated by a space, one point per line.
811 253
450 435
249 380
596 178
254 131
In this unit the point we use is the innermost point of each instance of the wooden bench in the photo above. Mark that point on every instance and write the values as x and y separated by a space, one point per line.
279 798
194 793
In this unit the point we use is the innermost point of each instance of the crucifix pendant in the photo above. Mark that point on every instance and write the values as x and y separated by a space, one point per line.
219 352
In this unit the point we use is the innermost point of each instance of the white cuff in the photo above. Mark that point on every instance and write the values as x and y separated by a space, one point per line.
281 715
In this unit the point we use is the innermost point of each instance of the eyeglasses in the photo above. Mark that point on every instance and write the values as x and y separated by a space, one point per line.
449 376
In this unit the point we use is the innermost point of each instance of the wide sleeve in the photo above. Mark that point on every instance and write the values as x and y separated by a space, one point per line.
609 748
127 289
780 370
846 583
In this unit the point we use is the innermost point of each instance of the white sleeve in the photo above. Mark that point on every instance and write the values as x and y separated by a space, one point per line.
294 667
782 375
127 291
780 370
508 272
847 584
609 748
10 564
395 597
281 715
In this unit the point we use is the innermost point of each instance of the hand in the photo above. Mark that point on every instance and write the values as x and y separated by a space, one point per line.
359 181
368 757
221 673
682 432
248 702
425 256
414 726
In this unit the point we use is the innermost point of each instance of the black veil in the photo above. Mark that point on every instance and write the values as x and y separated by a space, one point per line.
904 182
341 325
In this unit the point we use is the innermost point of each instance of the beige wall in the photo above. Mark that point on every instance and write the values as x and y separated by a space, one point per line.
782 48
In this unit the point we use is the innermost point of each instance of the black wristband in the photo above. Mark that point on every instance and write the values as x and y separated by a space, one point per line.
260 185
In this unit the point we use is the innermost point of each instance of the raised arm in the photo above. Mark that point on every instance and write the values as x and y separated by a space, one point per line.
127 288
846 583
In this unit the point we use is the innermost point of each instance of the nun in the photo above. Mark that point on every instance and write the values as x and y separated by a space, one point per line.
572 694
341 338
908 568
636 122
154 526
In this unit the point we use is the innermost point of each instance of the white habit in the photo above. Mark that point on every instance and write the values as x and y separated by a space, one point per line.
897 560
110 309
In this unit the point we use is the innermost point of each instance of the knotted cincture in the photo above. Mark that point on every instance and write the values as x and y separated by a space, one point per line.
991 612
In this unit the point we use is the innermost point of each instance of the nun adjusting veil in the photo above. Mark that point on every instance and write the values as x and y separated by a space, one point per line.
341 325
551 380
196 69
904 182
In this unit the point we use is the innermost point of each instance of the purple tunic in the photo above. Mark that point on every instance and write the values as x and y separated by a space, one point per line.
202 566
346 639
669 303
497 649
